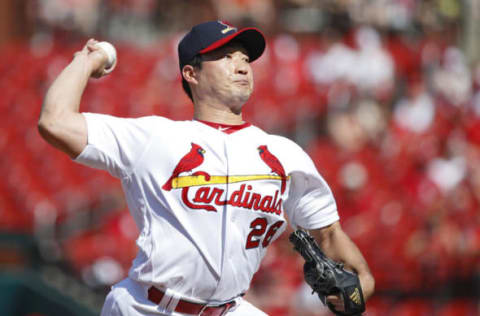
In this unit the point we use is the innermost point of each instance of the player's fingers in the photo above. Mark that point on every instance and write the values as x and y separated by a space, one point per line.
85 49
96 58
91 45
337 302
97 53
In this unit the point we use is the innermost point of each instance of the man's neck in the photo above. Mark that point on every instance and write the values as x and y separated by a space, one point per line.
215 115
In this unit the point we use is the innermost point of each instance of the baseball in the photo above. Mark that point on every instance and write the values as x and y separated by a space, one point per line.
111 52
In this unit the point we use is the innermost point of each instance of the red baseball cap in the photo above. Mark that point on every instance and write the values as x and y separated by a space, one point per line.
208 36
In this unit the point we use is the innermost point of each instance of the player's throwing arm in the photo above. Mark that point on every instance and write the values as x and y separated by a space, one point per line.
60 122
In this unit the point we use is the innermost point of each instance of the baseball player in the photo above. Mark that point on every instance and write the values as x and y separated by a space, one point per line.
208 195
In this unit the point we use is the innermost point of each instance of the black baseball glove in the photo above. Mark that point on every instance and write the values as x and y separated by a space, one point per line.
327 277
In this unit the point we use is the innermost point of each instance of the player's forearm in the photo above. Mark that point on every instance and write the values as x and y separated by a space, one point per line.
64 95
60 122
338 246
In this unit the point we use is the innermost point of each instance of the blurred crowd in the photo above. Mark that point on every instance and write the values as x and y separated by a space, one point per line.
381 96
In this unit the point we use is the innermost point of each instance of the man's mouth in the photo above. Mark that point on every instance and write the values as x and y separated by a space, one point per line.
242 82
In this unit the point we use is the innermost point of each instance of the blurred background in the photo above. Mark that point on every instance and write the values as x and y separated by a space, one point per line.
383 94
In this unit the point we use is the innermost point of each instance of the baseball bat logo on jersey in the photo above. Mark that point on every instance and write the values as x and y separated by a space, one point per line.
207 196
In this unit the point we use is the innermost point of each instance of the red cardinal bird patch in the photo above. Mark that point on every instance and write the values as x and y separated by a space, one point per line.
274 164
190 161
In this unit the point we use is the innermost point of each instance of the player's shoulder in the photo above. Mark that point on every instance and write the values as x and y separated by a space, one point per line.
280 141
146 122
165 125
152 119
283 141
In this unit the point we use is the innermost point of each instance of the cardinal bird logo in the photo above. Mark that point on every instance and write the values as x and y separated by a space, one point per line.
190 161
273 163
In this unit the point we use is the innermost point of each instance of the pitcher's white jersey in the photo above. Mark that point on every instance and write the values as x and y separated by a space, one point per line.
207 204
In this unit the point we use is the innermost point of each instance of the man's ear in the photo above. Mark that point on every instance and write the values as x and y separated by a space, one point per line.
189 74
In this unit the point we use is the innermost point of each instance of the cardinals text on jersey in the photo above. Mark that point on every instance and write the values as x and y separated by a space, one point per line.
207 196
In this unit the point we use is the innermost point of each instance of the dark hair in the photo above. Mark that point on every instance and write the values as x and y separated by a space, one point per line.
196 62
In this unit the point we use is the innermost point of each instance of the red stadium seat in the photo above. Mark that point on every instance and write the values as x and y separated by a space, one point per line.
459 307
412 307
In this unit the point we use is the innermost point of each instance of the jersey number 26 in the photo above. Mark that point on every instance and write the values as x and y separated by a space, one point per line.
259 227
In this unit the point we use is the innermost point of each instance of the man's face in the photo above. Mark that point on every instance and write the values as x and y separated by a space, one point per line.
226 75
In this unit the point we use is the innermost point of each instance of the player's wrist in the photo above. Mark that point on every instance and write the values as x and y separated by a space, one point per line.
367 283
82 62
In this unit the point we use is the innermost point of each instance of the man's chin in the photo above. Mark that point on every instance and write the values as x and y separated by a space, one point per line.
238 101
243 96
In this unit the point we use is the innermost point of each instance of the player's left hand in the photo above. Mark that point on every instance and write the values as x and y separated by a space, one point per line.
336 301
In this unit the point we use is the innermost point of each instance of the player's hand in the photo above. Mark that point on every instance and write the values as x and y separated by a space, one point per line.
337 302
96 58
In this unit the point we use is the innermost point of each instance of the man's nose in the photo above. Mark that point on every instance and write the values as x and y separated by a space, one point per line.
242 71
242 67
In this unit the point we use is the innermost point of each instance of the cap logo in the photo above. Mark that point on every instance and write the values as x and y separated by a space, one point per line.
227 28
